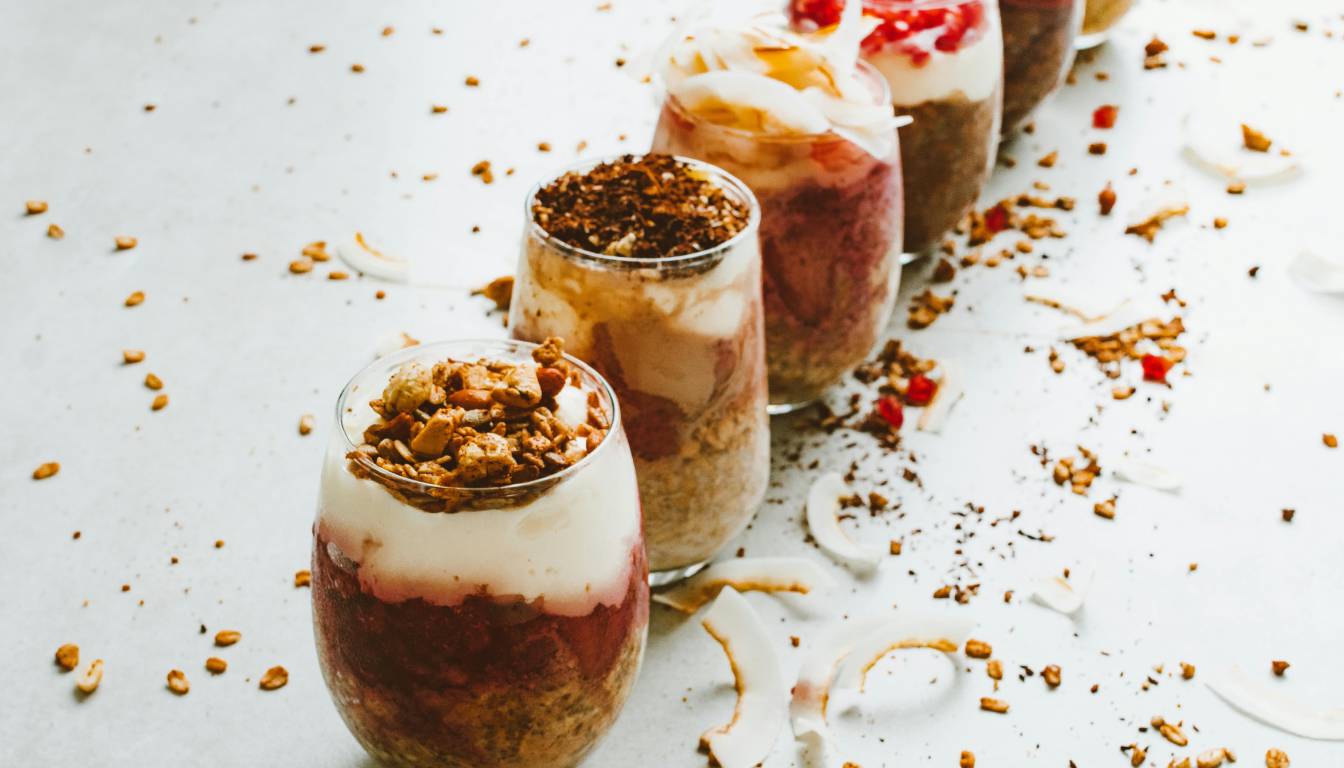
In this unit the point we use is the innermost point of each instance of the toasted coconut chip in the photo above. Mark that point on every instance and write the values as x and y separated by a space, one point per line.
1064 595
811 694
1211 140
905 630
362 257
760 574
823 522
1143 473
1271 708
1317 273
762 694
945 396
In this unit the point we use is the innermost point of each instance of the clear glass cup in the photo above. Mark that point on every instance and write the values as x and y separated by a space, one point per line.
830 240
1098 18
495 626
682 343
943 63
1038 48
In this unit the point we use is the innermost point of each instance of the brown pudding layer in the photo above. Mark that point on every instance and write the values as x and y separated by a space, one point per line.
1037 51
486 682
945 160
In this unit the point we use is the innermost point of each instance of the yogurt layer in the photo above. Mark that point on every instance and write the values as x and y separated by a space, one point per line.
974 70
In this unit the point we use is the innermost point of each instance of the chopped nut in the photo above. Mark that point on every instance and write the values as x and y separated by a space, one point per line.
1122 393
408 388
275 677
46 469
1137 755
160 402
1187 671
1254 140
303 578
1105 509
967 760
1212 758
301 266
994 668
55 232
1279 667
216 665
132 356
978 649
34 207
1170 732
1276 758
135 299
177 682
1155 47
993 705
125 243
943 592
226 637
895 547
1051 675
1049 160
926 307
88 682
472 81
306 422
153 382
67 656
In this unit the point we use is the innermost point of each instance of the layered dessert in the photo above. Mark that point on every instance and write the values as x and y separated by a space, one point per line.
479 579
1038 47
810 130
943 63
649 267
1098 18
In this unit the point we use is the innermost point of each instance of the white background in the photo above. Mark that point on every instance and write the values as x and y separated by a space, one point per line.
226 165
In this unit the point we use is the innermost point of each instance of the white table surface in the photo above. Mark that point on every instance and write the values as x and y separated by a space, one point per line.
225 164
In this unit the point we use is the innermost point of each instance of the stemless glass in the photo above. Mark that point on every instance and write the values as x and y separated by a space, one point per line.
468 626
1098 18
1038 48
943 63
681 341
830 239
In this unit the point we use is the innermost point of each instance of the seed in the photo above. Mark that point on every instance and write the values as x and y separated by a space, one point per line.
227 637
301 266
35 207
88 682
67 656
275 677
357 68
153 382
437 109
978 649
55 232
177 682
994 669
337 274
160 402
125 243
316 48
132 356
249 256
993 705
303 578
1051 675
46 470
216 665
135 299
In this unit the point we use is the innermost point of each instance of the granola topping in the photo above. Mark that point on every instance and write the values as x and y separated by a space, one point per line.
647 207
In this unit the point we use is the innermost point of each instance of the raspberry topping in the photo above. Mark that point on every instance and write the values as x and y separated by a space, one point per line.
920 391
1155 368
889 408
1104 116
996 218
901 28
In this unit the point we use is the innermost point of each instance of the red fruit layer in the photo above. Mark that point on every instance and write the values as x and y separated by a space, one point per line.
899 23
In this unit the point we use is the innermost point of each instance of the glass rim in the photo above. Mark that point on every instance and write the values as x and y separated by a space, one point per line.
722 177
869 71
920 4
513 345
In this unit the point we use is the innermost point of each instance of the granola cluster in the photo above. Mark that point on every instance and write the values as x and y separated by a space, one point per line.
464 424
1129 343
647 207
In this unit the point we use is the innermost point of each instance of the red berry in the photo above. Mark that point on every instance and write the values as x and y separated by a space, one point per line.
996 218
921 389
1104 116
1155 368
889 408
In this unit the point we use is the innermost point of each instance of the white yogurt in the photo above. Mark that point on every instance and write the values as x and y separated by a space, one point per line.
973 71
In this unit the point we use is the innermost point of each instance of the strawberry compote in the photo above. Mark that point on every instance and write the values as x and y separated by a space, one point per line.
943 63
479 579
1038 48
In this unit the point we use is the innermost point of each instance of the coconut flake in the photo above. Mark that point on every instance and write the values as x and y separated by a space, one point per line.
762 695
1317 273
760 574
1271 708
362 257
1143 473
1212 142
823 522
1064 595
939 632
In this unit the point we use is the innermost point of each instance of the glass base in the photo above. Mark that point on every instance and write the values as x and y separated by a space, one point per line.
911 258
1085 42
673 575
779 409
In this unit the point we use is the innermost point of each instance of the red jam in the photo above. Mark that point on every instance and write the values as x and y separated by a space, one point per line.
1155 368
920 390
889 408
898 24
1104 116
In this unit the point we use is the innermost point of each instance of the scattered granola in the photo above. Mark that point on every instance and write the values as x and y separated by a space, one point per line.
1330 440
1170 732
159 403
306 422
1236 188
303 578
1276 758
46 470
1187 671
1148 228
275 677
1106 199
1130 344
226 637
1048 161
132 356
978 649
1105 508
1213 758
1076 473
177 682
88 682
55 232
1051 675
67 656
125 243
215 665
639 207
1279 667
994 668
482 171
967 760
1137 755
926 307
1254 140
993 705
34 207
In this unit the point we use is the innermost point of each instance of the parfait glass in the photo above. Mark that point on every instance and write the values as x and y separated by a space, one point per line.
680 338
1038 48
830 239
1098 18
478 626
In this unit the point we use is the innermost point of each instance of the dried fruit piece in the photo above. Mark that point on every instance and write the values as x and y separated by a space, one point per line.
88 682
1104 116
227 637
177 682
920 390
67 656
889 408
1155 368
275 677
47 469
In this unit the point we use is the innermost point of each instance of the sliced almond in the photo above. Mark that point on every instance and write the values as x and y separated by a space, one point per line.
275 677
177 682
88 682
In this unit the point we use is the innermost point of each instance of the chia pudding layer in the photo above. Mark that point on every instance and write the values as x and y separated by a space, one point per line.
678 336
1038 49
479 581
